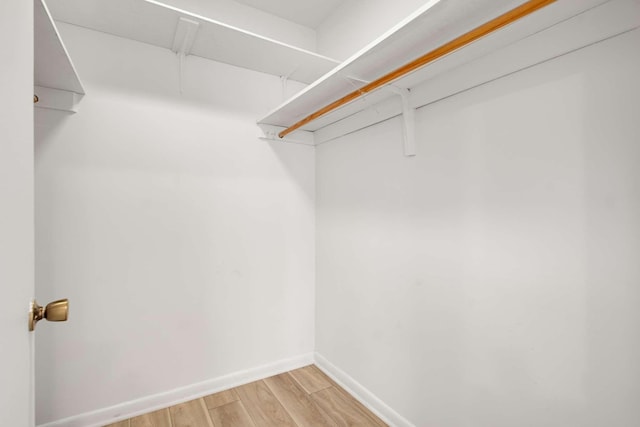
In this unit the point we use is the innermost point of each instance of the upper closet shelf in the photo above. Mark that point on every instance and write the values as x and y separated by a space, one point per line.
156 23
56 81
436 23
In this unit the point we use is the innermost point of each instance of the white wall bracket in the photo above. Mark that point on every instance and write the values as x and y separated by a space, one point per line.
183 40
408 121
184 36
283 81
56 99
270 133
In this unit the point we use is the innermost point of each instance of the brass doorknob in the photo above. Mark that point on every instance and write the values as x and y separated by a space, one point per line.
56 311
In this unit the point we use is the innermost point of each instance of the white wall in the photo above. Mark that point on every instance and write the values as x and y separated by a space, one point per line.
16 212
184 243
493 279
356 23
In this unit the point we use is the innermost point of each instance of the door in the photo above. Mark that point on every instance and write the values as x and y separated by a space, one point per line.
16 212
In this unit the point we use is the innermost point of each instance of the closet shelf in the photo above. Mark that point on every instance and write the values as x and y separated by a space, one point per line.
431 26
56 81
156 23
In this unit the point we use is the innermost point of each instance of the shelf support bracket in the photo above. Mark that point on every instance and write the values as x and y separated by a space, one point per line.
183 40
56 99
408 121
270 133
283 81
184 36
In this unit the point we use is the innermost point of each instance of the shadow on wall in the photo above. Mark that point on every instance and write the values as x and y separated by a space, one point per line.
135 83
520 216
289 155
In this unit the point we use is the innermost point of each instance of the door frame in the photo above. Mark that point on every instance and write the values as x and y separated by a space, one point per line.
17 407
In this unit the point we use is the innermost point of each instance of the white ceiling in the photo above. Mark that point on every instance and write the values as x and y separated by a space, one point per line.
309 13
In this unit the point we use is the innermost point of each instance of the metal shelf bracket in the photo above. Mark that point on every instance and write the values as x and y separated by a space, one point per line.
408 121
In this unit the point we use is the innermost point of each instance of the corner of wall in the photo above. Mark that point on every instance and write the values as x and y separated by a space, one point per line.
362 394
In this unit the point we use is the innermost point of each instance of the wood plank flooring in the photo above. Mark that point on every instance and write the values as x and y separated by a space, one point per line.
299 398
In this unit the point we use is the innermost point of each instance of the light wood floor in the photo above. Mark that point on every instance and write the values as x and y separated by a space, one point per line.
300 398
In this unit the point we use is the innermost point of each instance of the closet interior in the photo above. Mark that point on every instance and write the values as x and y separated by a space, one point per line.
436 203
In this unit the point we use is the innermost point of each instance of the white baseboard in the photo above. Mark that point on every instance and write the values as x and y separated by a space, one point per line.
364 396
147 404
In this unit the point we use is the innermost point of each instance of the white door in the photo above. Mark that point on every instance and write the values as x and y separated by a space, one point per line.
16 212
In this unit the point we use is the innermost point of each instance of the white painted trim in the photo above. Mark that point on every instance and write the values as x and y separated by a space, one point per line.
147 404
362 394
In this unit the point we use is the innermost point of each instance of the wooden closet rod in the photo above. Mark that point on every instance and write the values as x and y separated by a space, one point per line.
461 41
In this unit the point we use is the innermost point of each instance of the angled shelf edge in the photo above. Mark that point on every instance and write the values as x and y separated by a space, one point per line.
156 23
56 81
410 37
335 81
226 43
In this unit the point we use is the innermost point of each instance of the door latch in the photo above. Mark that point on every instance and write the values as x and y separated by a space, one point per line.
56 311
